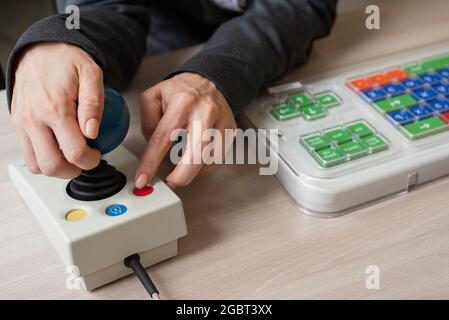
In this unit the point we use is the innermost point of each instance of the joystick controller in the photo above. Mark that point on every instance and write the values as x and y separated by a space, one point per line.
104 180
99 183
98 219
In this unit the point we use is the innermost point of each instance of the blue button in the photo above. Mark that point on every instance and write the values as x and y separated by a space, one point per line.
374 94
439 104
424 93
421 111
444 72
401 116
393 89
412 83
430 77
116 210
441 87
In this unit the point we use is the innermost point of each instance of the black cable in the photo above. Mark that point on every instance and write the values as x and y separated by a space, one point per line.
133 262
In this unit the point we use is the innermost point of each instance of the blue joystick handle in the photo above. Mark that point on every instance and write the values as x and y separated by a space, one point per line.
104 180
114 123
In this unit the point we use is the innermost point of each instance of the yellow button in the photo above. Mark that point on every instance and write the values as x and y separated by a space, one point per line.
76 215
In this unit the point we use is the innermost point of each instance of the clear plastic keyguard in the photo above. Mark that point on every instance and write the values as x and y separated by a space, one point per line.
355 134
322 133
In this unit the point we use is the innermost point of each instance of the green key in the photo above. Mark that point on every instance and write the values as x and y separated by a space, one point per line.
424 128
359 129
285 112
428 65
328 99
395 103
302 99
338 135
354 149
315 142
375 142
437 63
313 111
416 69
329 157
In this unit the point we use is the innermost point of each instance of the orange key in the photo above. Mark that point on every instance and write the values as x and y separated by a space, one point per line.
379 78
398 74
361 84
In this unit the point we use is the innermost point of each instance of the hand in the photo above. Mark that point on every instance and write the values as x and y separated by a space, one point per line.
49 80
175 104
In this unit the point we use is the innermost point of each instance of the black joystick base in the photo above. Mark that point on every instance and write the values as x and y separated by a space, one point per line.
99 183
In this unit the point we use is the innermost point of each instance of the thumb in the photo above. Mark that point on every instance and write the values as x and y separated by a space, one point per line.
90 100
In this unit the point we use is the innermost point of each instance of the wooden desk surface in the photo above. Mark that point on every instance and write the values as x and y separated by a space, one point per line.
246 239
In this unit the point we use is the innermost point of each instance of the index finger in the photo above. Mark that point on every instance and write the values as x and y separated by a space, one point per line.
196 154
159 143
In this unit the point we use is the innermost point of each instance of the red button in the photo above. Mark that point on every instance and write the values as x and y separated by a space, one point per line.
143 191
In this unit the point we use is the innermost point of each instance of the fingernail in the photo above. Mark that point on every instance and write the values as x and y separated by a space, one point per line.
141 180
92 127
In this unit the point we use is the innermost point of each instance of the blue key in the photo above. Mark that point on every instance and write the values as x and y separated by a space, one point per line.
421 111
374 94
412 83
424 93
443 72
116 210
441 87
430 77
439 104
394 89
401 116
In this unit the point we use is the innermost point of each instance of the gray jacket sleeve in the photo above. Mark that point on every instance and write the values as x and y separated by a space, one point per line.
260 46
243 55
113 32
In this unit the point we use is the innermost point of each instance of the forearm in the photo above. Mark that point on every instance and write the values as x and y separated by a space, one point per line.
260 46
112 32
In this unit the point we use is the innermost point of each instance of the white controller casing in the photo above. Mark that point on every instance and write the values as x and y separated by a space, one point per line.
97 244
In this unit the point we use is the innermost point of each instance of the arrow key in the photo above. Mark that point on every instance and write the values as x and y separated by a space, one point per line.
328 99
285 111
424 128
313 111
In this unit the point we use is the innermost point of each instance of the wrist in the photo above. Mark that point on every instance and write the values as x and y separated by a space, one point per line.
40 51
